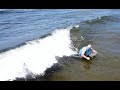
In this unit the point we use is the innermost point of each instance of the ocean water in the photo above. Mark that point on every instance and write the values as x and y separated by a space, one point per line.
35 44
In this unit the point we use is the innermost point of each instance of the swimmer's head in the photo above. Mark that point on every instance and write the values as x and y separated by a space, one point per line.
89 46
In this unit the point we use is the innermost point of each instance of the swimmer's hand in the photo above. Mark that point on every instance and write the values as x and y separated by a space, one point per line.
88 58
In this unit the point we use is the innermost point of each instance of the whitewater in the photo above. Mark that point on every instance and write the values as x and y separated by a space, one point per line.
36 56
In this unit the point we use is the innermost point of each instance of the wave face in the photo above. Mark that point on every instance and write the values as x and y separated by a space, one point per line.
36 56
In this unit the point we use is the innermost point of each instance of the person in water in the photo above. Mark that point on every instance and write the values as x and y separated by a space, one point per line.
87 52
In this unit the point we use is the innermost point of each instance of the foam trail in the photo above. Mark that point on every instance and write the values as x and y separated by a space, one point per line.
36 56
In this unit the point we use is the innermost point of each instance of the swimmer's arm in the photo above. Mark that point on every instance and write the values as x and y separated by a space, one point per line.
94 51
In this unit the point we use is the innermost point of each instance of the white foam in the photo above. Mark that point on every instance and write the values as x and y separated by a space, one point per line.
77 26
36 56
